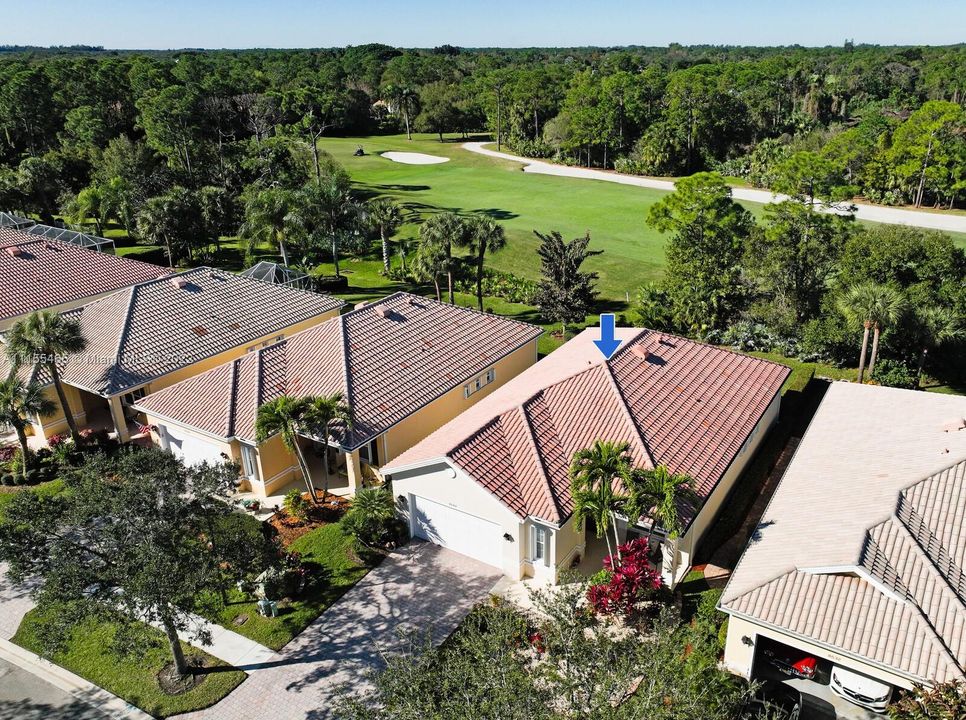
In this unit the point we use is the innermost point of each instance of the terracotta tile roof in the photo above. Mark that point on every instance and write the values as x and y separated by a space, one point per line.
151 329
388 360
677 402
863 546
48 273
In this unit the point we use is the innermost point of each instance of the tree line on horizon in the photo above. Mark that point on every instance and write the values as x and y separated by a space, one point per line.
135 124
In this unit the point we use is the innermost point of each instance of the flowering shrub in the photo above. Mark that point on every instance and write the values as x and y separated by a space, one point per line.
55 440
631 581
8 453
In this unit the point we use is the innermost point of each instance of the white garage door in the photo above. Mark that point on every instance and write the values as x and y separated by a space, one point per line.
189 448
466 534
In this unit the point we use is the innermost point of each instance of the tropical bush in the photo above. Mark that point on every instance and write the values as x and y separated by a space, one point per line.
296 505
893 373
371 519
943 701
631 582
503 285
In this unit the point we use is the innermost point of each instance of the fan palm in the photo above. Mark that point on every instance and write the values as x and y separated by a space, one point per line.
659 495
266 220
938 325
284 416
42 337
438 236
594 474
18 402
335 213
486 235
321 414
875 306
385 215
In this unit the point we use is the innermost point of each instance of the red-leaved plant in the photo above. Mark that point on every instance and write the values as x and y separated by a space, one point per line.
630 581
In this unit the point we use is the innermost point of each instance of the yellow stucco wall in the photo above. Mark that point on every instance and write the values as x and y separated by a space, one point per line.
739 656
433 416
57 424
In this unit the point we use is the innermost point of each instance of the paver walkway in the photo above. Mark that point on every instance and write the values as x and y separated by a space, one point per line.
873 213
422 587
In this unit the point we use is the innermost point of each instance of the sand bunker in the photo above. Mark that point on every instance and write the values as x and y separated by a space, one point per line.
415 158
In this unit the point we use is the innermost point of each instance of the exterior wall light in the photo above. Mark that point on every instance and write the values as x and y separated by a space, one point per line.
745 640
508 537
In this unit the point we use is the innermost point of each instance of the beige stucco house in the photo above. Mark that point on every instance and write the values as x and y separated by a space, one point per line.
405 365
153 334
858 559
494 483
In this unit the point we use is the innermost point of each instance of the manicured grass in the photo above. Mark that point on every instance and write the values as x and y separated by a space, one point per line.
46 489
134 678
614 214
331 554
468 183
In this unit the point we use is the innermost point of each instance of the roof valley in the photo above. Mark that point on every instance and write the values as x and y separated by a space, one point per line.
232 389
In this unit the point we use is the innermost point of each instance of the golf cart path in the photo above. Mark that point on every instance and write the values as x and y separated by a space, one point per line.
872 213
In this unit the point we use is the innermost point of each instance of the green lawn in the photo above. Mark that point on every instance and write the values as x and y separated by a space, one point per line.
331 552
133 677
46 489
614 214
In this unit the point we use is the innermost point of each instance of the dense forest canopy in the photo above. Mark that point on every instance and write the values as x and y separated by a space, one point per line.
888 119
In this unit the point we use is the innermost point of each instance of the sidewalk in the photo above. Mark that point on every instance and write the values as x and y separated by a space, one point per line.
77 687
229 646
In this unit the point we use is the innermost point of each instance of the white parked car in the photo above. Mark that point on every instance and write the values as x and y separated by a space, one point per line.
860 689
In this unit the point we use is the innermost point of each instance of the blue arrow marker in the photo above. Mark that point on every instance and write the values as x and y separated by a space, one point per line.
607 344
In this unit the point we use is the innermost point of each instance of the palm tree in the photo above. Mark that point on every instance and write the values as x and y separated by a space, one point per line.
267 220
486 235
18 402
41 338
405 99
334 211
322 412
440 234
937 325
90 204
154 223
387 216
659 495
594 472
597 507
875 306
284 416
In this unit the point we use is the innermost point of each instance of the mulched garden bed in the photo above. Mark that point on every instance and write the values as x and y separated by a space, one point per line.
171 683
288 529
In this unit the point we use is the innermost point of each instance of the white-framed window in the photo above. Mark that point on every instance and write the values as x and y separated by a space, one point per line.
249 462
538 544
135 395
479 382
369 454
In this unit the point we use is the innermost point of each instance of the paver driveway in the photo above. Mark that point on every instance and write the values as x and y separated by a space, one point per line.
422 587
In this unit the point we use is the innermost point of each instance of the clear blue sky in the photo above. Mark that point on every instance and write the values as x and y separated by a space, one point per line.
500 23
